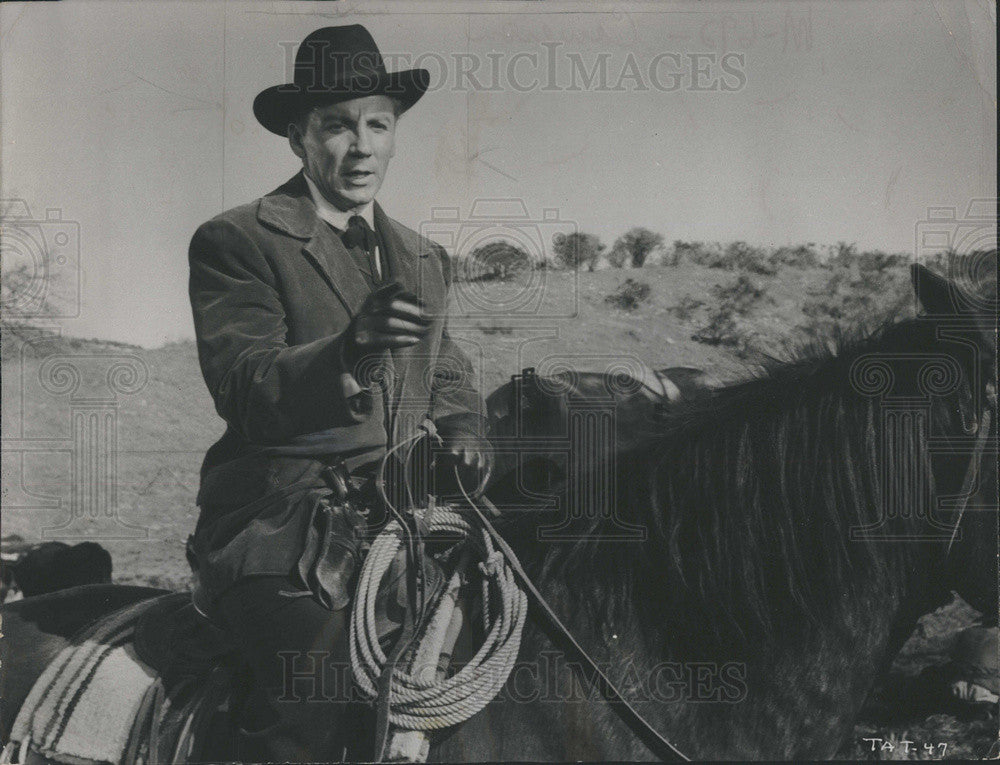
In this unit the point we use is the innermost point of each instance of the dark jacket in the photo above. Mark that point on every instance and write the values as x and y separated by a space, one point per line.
273 290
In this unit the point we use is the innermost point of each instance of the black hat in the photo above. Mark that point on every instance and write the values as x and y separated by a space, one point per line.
336 64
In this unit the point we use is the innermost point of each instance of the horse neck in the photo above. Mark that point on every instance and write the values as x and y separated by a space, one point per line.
764 522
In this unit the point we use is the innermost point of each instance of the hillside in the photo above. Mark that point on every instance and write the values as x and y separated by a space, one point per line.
167 422
62 395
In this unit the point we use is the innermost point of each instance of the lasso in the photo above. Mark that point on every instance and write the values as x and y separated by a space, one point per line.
422 697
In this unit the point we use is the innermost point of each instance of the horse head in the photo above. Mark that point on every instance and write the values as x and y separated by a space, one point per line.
961 314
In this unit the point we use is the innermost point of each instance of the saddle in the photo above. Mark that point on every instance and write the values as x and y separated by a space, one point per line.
155 682
144 684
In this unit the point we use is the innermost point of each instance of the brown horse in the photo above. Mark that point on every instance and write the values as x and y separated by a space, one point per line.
768 550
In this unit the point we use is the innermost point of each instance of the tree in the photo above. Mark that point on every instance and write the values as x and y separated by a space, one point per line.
636 245
577 249
499 261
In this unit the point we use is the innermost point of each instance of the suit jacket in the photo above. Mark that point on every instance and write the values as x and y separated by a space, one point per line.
273 290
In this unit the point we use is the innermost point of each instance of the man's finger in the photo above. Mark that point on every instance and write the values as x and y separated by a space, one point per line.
386 292
394 325
374 339
405 309
395 341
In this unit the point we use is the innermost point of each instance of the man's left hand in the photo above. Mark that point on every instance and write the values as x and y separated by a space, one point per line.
465 447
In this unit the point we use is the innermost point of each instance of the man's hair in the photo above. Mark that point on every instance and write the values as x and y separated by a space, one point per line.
301 119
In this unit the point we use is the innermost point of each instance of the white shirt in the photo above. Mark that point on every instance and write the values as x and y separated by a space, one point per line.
338 218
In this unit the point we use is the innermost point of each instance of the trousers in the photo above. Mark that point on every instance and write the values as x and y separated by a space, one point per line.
295 692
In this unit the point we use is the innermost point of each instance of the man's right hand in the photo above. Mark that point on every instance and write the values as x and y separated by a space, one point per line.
390 318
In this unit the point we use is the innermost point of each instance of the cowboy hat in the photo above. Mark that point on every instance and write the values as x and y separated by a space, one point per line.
336 64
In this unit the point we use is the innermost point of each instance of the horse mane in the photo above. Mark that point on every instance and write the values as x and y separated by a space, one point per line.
749 498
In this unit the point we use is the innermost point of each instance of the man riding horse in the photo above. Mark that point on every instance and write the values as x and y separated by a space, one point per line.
322 337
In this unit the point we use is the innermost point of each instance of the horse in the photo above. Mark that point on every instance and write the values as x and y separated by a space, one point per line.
783 536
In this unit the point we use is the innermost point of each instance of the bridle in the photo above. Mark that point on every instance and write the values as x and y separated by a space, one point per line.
973 468
481 507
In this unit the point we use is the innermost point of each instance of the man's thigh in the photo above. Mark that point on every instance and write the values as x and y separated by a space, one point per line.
296 647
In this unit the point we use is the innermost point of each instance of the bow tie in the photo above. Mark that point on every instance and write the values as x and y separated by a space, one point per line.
359 234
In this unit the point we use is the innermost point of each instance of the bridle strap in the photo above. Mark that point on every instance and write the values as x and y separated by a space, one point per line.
651 737
971 473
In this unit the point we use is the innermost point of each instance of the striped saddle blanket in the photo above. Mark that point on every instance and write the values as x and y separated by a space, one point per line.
100 701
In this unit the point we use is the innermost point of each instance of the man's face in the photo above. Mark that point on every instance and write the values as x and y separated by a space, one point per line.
346 147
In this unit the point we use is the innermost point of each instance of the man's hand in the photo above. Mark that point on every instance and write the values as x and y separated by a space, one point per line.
390 318
466 448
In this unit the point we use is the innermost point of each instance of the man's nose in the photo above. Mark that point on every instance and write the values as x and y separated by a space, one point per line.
362 142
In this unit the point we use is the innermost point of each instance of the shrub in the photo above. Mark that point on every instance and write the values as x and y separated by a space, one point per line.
498 261
740 296
802 256
693 252
686 308
844 255
879 261
746 257
724 329
577 249
618 255
636 245
629 295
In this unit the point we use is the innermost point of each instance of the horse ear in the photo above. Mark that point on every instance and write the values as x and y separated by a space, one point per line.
936 294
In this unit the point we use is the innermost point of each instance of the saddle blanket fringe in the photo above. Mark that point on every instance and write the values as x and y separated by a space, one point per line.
83 708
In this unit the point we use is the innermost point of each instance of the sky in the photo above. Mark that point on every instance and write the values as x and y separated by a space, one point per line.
126 125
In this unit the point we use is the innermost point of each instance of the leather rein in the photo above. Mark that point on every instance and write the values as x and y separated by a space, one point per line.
649 735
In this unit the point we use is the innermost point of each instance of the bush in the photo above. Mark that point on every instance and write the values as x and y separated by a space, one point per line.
686 308
577 249
740 296
693 252
636 245
629 295
498 261
803 256
723 329
844 255
879 261
618 256
745 257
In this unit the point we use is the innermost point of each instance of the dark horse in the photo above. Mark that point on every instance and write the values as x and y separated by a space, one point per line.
771 547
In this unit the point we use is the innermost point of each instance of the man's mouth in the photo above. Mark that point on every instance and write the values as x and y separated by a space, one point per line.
358 175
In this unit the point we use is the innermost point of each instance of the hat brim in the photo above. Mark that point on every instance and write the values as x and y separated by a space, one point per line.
277 106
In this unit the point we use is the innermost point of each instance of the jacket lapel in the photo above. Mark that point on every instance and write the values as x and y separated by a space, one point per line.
290 209
404 267
401 262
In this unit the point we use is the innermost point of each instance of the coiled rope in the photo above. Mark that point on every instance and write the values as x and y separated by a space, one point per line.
420 699
417 703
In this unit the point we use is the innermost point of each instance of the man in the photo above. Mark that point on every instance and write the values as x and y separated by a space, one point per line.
321 336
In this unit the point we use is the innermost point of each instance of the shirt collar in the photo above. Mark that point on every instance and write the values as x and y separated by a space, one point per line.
334 216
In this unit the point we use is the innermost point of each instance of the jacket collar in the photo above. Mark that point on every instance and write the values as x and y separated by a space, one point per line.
290 209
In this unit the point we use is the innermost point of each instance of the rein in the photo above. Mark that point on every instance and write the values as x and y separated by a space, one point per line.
971 473
645 731
651 737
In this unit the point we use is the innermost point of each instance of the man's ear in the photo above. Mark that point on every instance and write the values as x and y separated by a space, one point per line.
295 140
